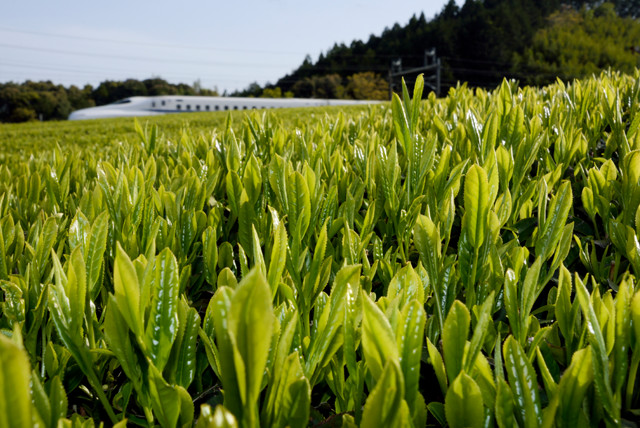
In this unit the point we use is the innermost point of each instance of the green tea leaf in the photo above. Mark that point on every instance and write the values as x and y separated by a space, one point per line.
378 340
476 205
454 338
162 327
278 257
222 418
438 366
127 291
94 256
599 352
551 231
15 400
463 403
410 341
386 406
572 388
522 377
243 328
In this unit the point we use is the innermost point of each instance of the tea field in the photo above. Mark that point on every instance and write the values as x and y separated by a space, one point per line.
467 261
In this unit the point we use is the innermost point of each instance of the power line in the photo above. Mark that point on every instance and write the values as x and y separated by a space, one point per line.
132 58
147 44
101 71
93 74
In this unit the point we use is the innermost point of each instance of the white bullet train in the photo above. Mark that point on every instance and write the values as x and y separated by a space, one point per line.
164 104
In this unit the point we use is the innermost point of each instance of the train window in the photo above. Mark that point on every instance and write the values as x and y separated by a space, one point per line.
163 103
244 107
198 107
217 107
125 101
207 107
188 106
226 107
153 104
235 107
178 106
253 108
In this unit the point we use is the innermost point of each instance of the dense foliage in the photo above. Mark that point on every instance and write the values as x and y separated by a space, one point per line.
466 261
481 42
579 43
21 102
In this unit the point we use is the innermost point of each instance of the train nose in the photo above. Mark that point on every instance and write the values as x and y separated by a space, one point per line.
77 115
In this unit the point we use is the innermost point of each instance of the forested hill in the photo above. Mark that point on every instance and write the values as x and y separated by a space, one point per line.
480 42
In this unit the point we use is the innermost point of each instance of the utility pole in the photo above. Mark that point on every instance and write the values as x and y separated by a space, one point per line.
432 69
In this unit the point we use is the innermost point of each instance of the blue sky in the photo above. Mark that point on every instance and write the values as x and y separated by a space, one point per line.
225 44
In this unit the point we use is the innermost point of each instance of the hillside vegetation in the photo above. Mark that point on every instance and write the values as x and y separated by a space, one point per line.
464 261
479 43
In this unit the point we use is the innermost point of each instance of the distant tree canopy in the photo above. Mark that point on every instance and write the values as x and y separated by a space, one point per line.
46 101
578 43
483 41
479 42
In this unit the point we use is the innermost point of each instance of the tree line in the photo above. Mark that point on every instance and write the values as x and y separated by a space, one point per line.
21 102
483 41
480 42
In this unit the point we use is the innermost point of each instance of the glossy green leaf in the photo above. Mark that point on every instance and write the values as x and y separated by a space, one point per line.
186 365
479 333
116 332
551 231
504 405
454 338
290 401
410 337
326 342
385 405
243 329
165 399
572 388
599 352
15 400
127 291
221 418
522 378
378 340
438 366
94 256
278 255
476 205
463 403
406 285
162 326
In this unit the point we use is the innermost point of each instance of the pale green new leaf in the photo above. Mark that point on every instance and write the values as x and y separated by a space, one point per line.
127 291
454 338
278 255
550 232
378 340
385 406
162 326
410 340
476 204
15 400
463 403
599 352
94 256
522 378
572 388
222 418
